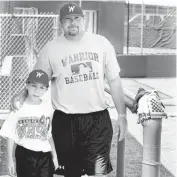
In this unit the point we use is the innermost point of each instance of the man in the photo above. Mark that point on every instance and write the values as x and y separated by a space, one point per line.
82 128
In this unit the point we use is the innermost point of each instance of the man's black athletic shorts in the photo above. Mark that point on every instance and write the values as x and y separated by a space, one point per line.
83 142
33 164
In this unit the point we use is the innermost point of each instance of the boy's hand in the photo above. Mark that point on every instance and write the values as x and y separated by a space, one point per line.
11 167
55 161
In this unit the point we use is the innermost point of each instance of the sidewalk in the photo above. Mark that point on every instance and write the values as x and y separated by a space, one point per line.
167 89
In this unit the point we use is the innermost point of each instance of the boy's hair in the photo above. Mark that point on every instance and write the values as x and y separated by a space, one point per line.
38 76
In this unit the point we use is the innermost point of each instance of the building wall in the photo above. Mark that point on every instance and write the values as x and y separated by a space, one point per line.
161 66
4 6
110 21
132 66
110 16
148 65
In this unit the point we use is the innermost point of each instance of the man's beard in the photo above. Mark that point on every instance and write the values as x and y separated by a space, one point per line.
73 32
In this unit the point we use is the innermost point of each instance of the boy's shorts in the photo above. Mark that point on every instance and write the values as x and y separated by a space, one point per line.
31 163
83 142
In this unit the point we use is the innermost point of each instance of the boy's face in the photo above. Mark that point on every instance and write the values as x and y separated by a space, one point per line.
36 90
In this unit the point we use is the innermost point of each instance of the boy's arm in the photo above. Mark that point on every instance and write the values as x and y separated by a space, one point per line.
10 146
54 154
10 160
52 146
8 132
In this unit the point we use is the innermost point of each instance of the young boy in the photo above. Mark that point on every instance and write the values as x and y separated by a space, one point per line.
30 129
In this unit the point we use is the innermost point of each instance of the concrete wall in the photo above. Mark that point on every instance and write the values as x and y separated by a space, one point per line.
110 21
161 66
132 66
110 16
148 65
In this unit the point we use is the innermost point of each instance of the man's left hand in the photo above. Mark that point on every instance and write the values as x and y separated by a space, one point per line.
122 127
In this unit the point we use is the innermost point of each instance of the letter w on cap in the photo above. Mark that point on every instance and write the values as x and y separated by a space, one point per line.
39 74
71 8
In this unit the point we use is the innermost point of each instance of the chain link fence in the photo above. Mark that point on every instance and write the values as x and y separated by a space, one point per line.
21 39
149 29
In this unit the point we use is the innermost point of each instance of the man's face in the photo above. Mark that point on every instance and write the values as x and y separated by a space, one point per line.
72 25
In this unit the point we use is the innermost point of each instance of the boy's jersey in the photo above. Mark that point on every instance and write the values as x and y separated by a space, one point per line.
78 69
30 127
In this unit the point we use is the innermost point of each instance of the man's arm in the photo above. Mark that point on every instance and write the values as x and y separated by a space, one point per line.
128 100
119 101
112 70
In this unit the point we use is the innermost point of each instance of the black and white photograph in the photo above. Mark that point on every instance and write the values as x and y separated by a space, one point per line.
88 88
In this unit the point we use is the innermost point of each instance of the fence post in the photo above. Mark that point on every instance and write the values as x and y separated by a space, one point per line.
120 158
151 147
142 26
150 114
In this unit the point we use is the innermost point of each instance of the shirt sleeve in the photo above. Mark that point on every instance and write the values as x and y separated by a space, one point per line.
112 68
43 61
8 129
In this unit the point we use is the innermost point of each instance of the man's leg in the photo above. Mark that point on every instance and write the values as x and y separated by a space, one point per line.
98 131
69 156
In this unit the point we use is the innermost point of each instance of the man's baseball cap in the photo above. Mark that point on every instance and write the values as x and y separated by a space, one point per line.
70 9
38 76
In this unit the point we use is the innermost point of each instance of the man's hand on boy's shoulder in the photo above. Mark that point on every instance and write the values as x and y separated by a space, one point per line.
18 100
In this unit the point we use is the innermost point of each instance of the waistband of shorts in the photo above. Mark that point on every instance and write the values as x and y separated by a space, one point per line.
21 148
80 114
